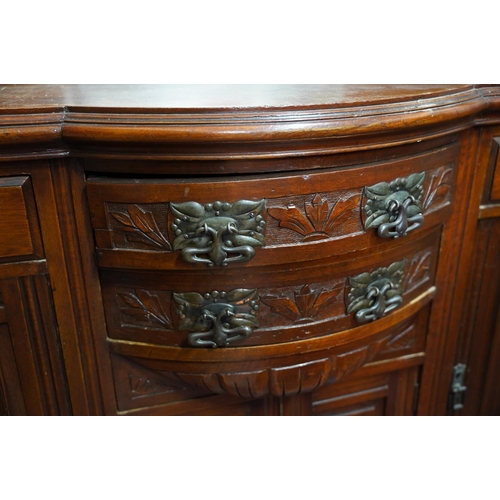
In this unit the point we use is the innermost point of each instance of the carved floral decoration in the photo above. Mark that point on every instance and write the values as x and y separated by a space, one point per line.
439 188
419 269
320 218
306 304
139 225
145 308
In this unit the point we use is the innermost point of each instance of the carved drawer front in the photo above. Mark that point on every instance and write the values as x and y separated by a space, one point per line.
252 221
167 378
18 220
234 309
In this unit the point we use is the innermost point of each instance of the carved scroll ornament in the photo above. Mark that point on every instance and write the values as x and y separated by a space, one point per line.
218 233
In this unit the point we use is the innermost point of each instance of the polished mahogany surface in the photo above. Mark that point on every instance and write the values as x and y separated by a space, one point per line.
248 249
185 98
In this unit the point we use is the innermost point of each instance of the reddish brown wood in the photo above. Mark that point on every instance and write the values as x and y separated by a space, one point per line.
88 269
33 375
495 187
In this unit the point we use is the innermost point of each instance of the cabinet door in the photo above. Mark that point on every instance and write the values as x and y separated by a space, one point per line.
481 349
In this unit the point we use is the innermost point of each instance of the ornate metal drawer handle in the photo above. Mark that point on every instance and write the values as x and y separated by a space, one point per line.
380 305
373 295
218 233
217 319
400 223
394 208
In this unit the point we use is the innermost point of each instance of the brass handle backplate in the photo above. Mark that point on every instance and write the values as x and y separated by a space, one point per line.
217 319
218 233
374 295
394 209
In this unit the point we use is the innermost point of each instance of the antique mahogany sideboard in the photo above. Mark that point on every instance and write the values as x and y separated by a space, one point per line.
249 249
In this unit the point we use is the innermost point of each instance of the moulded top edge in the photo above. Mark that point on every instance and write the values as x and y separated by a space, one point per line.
205 98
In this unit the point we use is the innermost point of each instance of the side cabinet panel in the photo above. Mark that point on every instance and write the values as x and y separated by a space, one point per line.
32 375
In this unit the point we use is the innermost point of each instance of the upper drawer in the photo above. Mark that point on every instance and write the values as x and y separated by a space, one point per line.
18 220
195 223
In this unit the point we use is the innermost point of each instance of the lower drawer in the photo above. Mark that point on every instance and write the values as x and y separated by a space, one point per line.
232 310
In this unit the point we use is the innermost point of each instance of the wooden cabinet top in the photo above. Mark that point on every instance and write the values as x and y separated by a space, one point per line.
234 121
185 98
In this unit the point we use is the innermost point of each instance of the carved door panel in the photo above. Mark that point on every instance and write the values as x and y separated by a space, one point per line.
32 380
390 393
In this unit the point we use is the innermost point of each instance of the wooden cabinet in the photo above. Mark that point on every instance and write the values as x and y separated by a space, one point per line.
193 256
478 348
32 375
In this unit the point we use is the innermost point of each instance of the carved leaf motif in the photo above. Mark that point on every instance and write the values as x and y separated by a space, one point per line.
305 300
340 213
326 295
292 218
319 219
347 363
317 212
286 380
419 270
306 305
402 341
282 305
439 188
123 218
140 225
143 386
145 306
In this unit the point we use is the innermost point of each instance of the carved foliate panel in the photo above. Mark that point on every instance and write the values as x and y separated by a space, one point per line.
139 226
403 341
137 386
438 188
218 233
309 303
419 269
309 218
141 308
287 380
